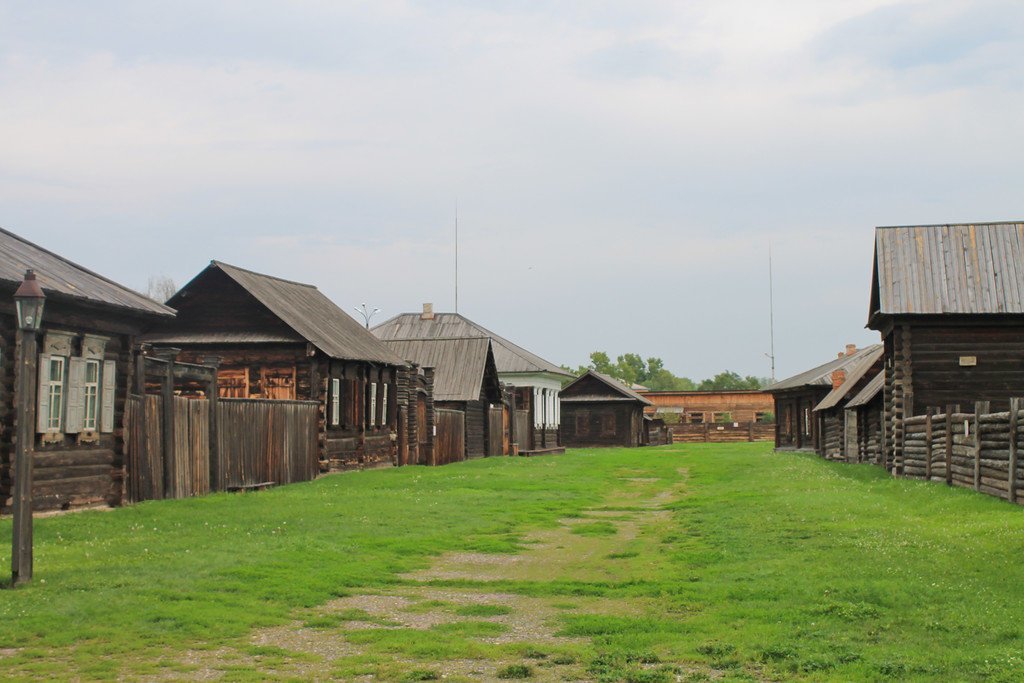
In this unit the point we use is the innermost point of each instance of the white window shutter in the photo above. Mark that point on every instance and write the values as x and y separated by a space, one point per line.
43 398
335 402
384 407
108 390
76 396
373 404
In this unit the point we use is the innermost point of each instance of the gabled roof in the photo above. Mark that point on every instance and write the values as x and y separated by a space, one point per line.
855 372
948 269
459 364
509 357
869 391
821 375
59 276
617 387
306 310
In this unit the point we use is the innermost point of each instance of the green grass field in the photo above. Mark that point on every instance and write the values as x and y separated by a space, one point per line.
717 562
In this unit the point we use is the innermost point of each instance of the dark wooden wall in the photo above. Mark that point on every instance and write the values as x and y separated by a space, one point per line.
796 423
626 420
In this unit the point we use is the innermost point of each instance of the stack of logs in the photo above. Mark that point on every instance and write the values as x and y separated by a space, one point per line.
975 450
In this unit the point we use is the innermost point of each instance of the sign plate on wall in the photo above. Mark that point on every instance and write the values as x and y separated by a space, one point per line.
968 361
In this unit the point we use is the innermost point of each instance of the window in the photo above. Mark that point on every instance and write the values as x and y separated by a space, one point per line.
335 402
695 418
582 425
51 393
608 425
91 395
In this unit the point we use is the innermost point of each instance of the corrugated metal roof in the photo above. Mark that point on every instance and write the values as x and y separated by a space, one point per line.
949 269
509 357
612 383
312 315
57 275
855 372
869 391
821 375
459 364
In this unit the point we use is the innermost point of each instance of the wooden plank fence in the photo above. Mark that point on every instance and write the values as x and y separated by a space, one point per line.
730 432
261 441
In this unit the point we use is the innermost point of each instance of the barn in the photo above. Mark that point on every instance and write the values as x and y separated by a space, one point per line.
948 301
535 382
838 426
468 407
598 410
89 328
278 339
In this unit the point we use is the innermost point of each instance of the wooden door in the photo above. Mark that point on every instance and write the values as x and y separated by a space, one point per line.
422 430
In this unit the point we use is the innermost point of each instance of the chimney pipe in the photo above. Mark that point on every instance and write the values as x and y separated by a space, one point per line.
851 349
428 312
838 377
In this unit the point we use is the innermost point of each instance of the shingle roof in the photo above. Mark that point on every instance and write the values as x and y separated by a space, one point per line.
612 383
509 357
59 276
312 315
855 372
957 268
821 375
459 364
869 391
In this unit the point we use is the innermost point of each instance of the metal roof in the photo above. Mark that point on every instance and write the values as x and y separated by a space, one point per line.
306 310
59 276
821 375
869 391
614 384
509 357
948 269
459 364
855 372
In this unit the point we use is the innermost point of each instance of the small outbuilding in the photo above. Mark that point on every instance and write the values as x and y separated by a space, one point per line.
837 425
598 410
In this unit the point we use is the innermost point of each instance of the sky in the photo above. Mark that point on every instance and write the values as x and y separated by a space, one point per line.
620 170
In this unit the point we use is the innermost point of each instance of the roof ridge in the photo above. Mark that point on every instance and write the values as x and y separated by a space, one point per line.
949 225
86 270
222 264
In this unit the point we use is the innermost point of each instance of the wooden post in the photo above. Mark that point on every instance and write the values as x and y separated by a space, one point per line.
979 408
1012 475
212 396
707 432
750 431
928 444
949 445
24 391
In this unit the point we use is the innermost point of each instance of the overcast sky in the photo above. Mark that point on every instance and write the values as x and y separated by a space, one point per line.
620 168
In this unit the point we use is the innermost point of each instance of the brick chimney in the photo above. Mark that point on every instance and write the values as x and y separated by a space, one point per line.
428 312
851 349
838 377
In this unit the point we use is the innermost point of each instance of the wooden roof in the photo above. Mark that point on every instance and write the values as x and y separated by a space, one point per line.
304 308
855 372
821 375
509 357
869 391
580 391
62 278
948 269
459 364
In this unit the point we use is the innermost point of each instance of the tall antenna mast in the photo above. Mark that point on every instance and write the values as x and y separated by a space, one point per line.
456 255
771 313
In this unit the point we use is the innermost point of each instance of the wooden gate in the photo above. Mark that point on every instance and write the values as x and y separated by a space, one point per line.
524 430
153 474
496 435
261 442
422 434
450 445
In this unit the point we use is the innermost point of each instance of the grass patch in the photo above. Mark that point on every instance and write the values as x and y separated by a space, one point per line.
513 671
482 610
595 529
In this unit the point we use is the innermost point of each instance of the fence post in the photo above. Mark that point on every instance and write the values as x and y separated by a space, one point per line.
1012 474
750 431
928 444
979 408
212 396
167 391
949 445
707 432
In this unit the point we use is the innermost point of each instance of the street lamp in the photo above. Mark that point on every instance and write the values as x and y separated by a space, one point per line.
28 301
367 314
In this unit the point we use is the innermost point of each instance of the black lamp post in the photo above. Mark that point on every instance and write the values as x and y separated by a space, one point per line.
28 301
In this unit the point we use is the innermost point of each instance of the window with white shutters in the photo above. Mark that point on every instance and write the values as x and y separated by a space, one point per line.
108 391
50 407
91 395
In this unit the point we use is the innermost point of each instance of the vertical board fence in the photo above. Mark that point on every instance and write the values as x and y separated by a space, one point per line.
496 431
450 445
261 442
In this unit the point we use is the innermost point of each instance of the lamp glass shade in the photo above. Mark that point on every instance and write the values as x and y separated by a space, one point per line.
30 313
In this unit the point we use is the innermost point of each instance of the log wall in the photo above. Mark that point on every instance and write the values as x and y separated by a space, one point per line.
722 433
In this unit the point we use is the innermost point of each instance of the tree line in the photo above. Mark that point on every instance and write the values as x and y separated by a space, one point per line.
631 368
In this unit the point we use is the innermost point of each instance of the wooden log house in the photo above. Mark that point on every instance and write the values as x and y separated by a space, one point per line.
866 409
837 426
535 382
700 407
598 410
796 426
948 301
278 339
84 371
470 413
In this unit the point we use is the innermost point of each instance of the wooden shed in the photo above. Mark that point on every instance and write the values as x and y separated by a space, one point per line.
796 397
535 382
837 426
600 411
469 411
949 303
866 409
278 339
84 371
